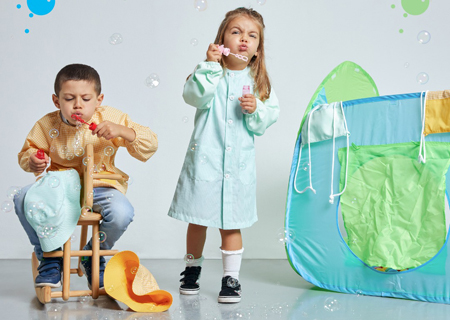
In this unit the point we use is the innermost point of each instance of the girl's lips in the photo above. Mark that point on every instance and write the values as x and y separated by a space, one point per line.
243 48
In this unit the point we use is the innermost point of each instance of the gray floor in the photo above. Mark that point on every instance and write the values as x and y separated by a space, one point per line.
271 290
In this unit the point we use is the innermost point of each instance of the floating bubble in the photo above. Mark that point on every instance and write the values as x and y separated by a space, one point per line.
133 270
111 288
285 236
41 7
52 149
79 151
40 205
7 206
64 149
203 158
359 293
129 181
261 2
422 78
110 197
232 282
85 210
357 70
46 232
152 80
69 156
193 146
12 191
101 236
116 38
194 42
83 299
109 151
306 167
423 37
73 238
406 65
53 133
85 160
242 166
331 305
354 200
185 119
200 5
188 258
53 182
415 7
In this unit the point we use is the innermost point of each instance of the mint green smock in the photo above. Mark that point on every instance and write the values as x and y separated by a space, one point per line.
217 184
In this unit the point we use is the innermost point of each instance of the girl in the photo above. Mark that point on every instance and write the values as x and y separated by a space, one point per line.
217 184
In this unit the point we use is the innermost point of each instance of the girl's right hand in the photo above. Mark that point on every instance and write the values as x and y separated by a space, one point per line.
213 54
38 165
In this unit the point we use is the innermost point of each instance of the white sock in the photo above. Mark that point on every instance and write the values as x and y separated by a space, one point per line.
195 262
232 262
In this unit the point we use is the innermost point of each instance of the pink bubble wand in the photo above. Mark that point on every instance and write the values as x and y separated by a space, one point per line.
92 125
226 52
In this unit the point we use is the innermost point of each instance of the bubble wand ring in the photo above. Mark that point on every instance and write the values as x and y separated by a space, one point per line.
226 52
92 125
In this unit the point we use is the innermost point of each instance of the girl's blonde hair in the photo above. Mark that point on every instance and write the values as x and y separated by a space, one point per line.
257 63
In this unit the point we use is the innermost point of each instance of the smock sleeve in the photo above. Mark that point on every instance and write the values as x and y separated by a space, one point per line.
34 141
201 85
265 115
144 145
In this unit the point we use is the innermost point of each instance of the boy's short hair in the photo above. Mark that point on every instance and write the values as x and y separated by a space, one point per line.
78 72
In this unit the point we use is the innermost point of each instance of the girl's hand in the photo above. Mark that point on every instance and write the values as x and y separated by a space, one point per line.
110 130
248 102
38 165
213 54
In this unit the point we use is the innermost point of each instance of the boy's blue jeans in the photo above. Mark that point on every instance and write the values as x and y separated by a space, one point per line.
112 204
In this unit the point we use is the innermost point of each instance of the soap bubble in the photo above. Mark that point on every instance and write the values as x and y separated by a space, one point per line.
354 201
306 167
194 146
422 78
116 38
188 258
232 282
7 206
53 182
64 149
423 37
203 158
69 156
185 119
133 270
101 236
359 293
73 238
45 232
242 166
331 305
85 210
152 80
285 236
109 151
79 151
12 191
406 65
53 133
194 42
85 161
110 197
129 181
83 299
261 2
200 5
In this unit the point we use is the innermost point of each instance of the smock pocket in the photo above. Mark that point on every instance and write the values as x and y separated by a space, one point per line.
204 164
246 167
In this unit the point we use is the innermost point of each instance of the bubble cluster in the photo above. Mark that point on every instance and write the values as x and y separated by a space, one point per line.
116 38
152 80
46 232
285 236
12 191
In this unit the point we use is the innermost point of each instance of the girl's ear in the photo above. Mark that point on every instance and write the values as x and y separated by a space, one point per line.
56 101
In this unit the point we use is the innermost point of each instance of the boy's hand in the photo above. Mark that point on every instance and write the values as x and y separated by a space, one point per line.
213 54
38 165
110 130
248 102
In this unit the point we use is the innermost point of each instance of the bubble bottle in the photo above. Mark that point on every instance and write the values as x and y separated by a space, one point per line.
245 90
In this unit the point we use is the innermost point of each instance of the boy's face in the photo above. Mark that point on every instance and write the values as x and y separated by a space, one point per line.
77 97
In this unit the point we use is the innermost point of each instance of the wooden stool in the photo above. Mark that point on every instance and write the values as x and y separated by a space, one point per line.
86 219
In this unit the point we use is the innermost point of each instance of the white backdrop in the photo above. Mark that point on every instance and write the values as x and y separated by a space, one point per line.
305 40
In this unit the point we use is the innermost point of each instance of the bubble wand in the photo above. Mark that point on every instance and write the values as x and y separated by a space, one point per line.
92 125
226 52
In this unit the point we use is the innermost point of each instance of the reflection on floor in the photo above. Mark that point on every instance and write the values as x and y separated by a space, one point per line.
270 290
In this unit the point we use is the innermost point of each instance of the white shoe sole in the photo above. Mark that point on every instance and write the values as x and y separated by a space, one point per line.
47 284
189 292
229 299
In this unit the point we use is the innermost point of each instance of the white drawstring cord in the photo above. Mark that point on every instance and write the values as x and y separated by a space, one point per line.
300 156
423 105
332 161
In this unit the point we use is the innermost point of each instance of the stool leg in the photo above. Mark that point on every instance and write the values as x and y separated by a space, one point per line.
83 241
95 261
66 271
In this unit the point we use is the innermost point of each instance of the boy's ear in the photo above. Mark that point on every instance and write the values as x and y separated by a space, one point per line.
99 100
56 101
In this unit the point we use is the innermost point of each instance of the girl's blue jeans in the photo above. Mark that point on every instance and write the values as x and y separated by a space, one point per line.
112 204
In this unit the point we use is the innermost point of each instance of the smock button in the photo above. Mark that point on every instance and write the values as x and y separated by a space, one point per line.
228 148
227 176
231 97
231 74
230 121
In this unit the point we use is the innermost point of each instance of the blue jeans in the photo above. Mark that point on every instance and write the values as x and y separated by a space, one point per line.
112 204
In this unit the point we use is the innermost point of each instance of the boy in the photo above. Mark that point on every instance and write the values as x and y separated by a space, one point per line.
78 94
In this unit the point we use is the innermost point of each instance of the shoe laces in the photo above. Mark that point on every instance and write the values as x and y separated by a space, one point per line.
191 275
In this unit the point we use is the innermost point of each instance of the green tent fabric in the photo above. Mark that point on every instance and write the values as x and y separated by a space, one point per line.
388 191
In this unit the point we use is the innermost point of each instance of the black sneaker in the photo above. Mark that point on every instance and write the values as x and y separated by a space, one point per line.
86 268
189 284
231 290
49 273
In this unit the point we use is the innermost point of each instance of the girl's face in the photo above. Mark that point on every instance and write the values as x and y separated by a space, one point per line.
242 37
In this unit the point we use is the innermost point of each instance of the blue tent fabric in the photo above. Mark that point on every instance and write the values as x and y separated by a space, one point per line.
318 252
